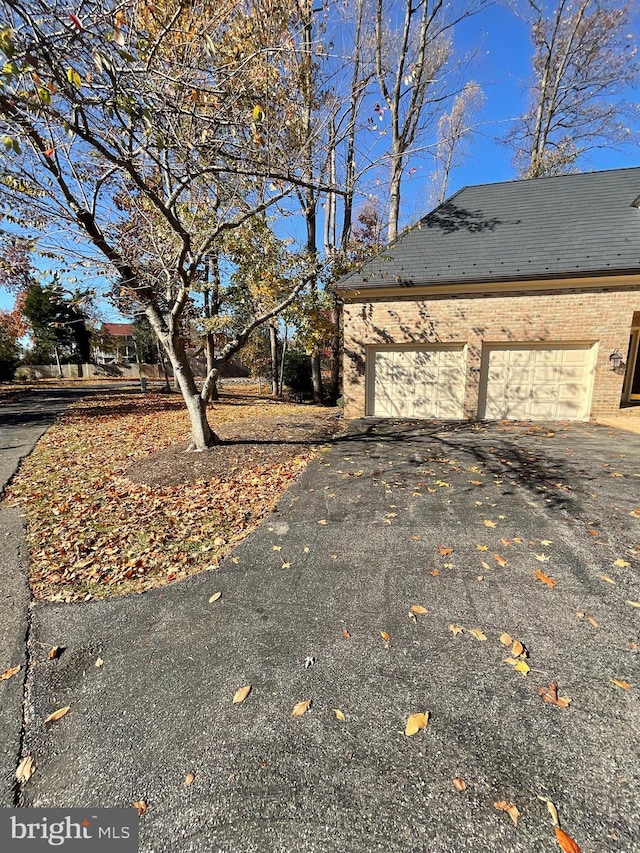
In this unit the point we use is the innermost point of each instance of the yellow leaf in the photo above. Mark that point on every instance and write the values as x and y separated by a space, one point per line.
478 634
415 723
607 579
488 523
322 521
419 609
301 708
482 547
385 636
456 629
98 663
633 603
57 715
510 808
506 640
621 564
485 566
8 673
553 811
545 542
25 769
339 715
277 547
442 484
215 597
541 558
188 779
623 685
258 113
241 694
306 549
519 665
54 652
74 78
286 566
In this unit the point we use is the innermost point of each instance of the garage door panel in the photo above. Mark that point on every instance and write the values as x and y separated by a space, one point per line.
419 383
537 381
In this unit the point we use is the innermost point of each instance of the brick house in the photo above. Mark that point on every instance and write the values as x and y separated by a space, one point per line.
509 300
116 344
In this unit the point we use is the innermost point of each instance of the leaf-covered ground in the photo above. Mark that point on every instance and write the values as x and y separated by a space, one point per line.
115 504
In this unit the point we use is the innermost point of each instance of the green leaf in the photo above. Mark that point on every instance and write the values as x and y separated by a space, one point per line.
6 45
44 95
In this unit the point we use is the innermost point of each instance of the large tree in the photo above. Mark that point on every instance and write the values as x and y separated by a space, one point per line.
149 131
584 57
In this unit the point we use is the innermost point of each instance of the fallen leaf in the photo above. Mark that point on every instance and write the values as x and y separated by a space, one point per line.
635 513
241 694
499 560
565 841
301 708
215 597
478 634
25 769
623 685
506 640
488 523
545 579
444 552
505 542
519 665
141 806
415 723
288 565
545 542
621 564
277 547
607 579
459 784
385 636
482 547
346 635
57 715
435 572
511 809
594 533
633 603
98 663
322 521
541 558
8 673
485 566
518 650
592 622
550 696
306 549
456 629
419 609
54 652
339 715
553 811
188 779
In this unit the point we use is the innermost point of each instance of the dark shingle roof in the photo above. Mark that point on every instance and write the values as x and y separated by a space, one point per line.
571 225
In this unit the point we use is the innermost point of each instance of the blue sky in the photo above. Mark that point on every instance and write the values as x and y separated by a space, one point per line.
501 64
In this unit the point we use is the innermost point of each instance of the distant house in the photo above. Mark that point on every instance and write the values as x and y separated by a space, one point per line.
115 344
516 300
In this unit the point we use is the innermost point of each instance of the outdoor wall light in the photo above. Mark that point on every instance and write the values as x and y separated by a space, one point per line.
616 359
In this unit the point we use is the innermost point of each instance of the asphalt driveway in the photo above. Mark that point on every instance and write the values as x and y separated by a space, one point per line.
315 605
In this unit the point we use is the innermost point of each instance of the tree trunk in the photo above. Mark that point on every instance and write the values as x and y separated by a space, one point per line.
316 378
276 388
394 199
202 436
212 387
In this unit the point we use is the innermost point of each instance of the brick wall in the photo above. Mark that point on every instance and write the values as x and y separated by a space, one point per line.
586 316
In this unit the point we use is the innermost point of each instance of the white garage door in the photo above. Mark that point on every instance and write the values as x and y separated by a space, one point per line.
424 382
537 381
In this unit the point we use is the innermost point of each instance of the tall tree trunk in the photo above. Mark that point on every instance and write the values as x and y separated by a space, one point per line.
276 388
394 198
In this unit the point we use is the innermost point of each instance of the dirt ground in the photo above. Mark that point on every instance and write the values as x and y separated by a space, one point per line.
243 444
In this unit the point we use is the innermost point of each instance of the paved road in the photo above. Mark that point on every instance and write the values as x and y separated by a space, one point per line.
359 535
22 422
